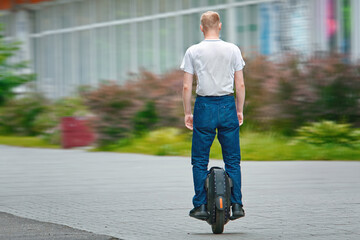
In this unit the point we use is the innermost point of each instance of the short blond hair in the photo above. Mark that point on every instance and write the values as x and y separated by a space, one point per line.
210 20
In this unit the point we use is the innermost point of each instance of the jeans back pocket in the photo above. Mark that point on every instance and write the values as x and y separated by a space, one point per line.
203 115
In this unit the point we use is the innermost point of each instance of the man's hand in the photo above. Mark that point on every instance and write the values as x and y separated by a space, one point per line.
189 121
240 116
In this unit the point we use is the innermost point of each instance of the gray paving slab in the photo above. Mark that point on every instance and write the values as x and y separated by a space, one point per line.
17 228
133 196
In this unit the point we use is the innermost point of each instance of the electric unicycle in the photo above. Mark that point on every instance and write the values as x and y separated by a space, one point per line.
218 187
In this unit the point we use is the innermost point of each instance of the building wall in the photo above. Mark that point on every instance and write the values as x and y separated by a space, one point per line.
83 42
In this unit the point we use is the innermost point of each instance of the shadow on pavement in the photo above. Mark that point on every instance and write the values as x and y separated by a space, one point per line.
13 227
225 233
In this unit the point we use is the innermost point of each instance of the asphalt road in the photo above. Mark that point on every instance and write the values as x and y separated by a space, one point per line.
131 196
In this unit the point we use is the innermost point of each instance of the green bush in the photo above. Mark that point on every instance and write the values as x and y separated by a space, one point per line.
34 115
328 132
18 116
145 119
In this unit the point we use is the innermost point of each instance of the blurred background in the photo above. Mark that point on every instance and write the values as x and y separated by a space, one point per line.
116 61
78 42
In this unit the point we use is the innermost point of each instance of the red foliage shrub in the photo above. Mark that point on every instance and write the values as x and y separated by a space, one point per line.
165 91
116 106
291 92
282 95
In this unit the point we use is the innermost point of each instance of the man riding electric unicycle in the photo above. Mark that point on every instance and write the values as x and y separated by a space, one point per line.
218 65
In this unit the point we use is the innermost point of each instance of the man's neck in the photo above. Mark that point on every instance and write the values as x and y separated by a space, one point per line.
215 38
211 36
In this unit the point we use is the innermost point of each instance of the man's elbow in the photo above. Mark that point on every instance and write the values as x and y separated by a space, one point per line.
186 88
240 86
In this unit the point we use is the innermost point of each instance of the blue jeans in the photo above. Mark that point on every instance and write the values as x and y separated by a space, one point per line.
211 113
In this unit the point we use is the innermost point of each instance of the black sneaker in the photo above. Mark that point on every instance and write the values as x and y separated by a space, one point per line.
199 213
237 211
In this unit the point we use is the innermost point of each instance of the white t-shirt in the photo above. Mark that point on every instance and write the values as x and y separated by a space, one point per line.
214 62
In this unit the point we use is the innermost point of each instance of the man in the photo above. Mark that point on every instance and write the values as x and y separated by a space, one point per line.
217 64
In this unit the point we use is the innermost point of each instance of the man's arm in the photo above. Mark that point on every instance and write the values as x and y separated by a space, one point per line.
240 95
187 91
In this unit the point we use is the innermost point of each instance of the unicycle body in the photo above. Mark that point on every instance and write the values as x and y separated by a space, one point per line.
218 187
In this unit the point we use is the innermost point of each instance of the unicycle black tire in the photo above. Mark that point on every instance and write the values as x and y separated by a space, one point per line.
218 226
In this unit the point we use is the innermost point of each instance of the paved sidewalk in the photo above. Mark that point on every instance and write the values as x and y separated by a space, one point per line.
132 196
17 228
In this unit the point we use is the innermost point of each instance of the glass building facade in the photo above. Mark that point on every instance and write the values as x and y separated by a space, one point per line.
83 42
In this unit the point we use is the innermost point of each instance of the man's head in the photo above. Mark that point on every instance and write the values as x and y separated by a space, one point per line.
210 22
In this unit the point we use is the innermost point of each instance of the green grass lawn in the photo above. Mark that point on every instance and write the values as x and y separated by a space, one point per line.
26 142
254 146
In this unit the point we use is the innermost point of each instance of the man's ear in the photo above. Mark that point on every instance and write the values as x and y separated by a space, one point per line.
201 28
220 24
